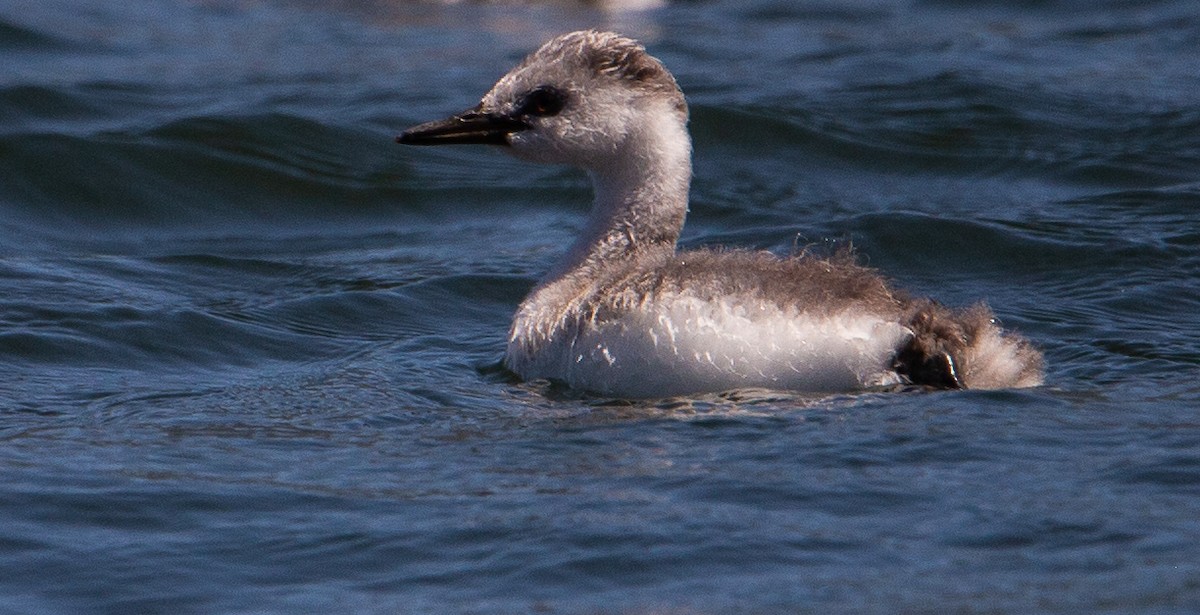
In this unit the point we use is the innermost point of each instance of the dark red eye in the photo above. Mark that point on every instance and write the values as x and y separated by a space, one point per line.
542 101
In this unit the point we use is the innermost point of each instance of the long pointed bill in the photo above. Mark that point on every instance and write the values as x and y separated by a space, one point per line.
467 127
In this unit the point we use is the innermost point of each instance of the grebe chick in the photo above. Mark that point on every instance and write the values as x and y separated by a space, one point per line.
625 314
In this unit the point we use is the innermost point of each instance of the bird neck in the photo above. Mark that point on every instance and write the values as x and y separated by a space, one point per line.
640 201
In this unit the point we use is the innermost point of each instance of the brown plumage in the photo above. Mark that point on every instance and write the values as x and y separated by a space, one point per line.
627 315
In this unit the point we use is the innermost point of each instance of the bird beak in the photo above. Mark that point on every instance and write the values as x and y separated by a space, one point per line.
473 126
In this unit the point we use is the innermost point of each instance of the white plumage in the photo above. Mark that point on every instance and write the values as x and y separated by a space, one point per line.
625 314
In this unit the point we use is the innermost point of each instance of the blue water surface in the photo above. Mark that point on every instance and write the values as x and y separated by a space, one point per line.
249 346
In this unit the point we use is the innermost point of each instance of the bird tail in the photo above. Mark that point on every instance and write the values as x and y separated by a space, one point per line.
965 349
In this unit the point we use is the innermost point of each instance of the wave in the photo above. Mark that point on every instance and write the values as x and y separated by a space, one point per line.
198 170
181 313
14 37
958 124
261 175
97 153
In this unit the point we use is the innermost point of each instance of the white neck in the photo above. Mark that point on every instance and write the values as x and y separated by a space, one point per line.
641 199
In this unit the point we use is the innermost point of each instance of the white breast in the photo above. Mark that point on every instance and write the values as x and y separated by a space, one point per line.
681 344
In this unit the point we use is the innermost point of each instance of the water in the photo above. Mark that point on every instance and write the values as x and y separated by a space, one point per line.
250 346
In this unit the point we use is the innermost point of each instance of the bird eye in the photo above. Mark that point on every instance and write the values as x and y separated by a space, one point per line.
542 101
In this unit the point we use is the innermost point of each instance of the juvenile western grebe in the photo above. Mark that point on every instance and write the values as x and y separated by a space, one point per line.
625 314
